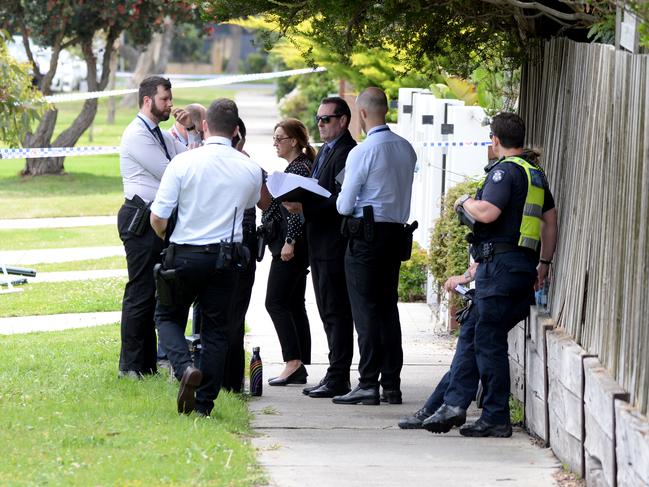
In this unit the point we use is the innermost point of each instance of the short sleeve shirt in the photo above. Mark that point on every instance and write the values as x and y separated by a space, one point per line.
506 188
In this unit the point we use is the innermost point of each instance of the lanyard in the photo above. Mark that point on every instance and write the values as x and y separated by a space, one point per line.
159 138
382 129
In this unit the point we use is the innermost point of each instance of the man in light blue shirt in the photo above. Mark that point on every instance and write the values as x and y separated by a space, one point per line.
376 196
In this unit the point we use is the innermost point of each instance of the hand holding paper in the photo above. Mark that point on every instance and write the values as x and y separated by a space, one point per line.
291 187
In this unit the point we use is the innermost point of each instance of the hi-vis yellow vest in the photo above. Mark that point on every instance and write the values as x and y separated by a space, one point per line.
530 229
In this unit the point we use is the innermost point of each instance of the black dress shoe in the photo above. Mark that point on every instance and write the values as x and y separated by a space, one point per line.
308 389
481 429
297 377
368 397
189 382
391 396
444 419
331 389
415 422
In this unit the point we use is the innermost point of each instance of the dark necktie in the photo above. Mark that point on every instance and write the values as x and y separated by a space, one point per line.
158 134
321 160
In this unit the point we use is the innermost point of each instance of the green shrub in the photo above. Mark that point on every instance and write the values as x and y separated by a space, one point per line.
412 278
449 250
304 102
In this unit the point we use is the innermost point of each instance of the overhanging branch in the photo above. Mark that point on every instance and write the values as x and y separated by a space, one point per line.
548 11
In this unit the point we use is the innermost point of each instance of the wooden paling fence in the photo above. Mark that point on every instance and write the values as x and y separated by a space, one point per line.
587 107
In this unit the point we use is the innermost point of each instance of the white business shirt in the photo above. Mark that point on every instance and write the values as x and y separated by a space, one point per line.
207 184
142 160
379 172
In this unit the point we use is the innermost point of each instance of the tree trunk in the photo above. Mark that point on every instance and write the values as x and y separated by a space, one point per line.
41 138
44 165
110 117
153 60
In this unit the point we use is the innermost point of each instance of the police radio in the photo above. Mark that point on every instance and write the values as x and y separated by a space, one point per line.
225 253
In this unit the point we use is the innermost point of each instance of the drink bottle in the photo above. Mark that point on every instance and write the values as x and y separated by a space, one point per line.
256 373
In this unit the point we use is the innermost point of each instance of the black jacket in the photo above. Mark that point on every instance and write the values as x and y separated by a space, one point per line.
322 219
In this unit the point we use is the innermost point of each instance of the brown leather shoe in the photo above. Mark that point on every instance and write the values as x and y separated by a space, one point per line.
190 380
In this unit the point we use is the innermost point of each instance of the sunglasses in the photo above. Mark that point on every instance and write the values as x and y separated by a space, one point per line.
277 140
326 118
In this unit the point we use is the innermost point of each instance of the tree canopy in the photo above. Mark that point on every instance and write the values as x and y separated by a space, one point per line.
462 33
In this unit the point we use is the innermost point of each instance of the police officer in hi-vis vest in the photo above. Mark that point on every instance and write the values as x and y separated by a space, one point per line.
514 228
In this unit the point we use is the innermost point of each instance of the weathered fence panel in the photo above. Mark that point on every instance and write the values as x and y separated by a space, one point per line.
587 107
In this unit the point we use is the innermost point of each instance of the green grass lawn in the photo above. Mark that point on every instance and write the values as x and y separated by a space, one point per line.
48 298
91 185
118 262
56 238
65 419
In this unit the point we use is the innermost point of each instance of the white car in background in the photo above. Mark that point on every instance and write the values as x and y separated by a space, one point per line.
70 72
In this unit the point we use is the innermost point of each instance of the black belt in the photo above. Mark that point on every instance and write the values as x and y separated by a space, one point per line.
198 249
388 225
132 204
486 250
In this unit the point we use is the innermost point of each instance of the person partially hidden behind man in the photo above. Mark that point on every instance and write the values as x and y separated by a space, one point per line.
211 186
513 243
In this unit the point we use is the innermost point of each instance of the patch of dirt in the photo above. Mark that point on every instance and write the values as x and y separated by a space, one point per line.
568 479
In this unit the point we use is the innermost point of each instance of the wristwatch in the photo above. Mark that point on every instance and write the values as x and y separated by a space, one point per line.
462 199
290 241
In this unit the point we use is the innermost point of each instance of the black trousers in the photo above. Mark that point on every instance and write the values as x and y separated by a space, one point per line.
197 277
138 337
372 271
335 312
285 305
235 360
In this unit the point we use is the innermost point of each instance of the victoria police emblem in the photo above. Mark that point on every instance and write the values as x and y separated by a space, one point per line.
498 175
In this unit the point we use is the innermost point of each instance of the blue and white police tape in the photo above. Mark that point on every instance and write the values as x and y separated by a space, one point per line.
38 152
447 143
221 81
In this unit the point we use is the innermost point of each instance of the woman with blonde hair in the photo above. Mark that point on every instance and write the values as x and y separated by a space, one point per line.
284 233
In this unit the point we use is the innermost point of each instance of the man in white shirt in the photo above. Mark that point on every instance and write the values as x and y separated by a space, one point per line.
376 195
211 188
145 152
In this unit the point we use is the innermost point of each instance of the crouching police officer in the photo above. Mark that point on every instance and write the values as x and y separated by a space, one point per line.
211 186
514 221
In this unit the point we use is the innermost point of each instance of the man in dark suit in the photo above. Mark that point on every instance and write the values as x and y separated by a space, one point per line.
327 246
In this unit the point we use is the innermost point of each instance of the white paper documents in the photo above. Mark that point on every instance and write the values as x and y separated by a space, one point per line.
291 187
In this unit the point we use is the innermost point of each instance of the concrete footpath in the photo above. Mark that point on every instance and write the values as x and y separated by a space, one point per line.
306 441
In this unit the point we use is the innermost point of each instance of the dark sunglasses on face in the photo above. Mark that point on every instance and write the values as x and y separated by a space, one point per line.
325 118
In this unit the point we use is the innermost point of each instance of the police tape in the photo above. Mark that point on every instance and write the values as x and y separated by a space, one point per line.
38 152
447 143
221 81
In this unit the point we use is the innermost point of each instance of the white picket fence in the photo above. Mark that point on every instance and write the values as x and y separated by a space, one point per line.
451 142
